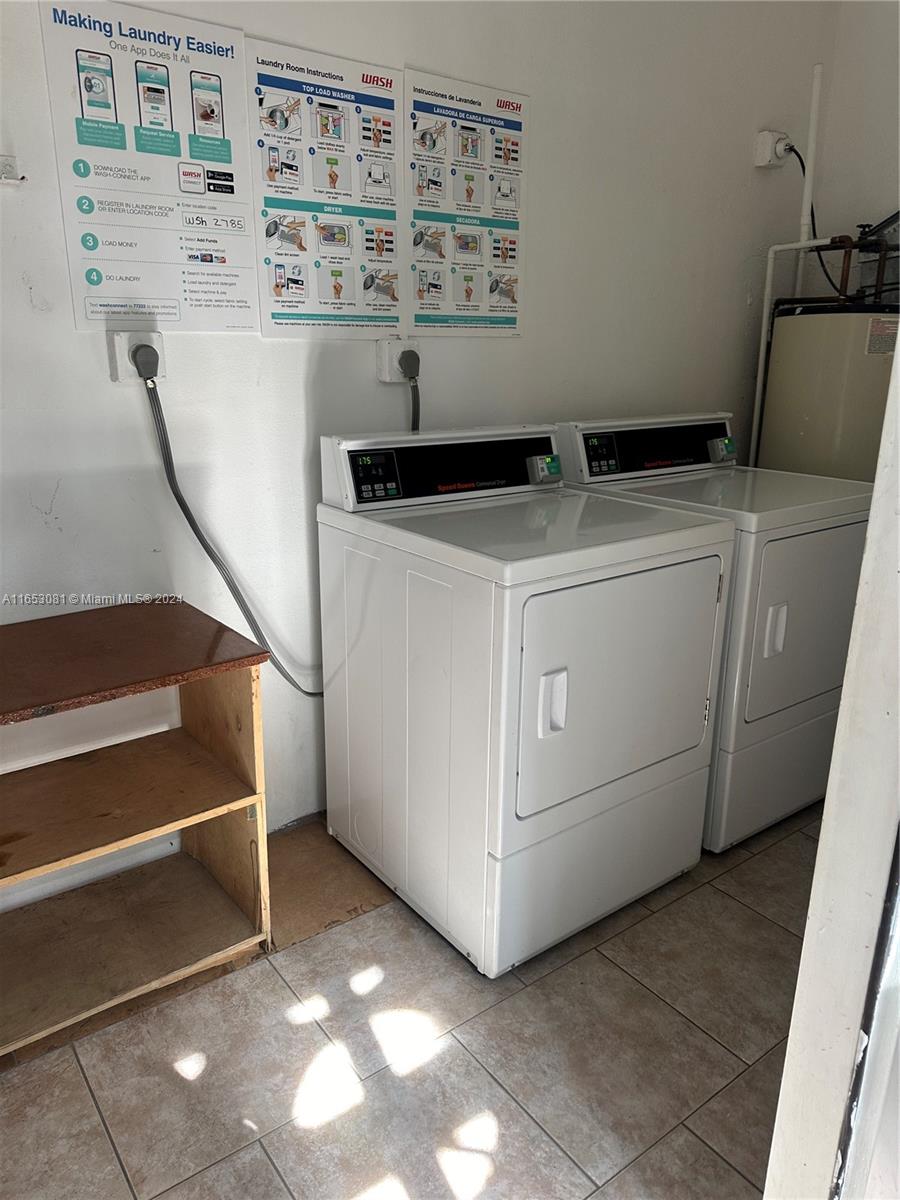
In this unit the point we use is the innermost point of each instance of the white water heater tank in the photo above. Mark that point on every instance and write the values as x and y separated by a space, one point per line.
826 389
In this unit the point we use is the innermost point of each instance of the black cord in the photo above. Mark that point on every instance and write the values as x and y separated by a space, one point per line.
215 558
812 220
408 363
416 405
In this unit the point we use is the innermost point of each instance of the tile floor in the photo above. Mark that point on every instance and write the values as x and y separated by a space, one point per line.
638 1060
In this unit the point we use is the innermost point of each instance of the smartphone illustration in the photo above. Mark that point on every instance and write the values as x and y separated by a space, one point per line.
279 275
274 158
206 100
96 85
154 101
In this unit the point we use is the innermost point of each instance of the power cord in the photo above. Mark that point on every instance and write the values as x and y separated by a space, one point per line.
146 363
812 220
409 365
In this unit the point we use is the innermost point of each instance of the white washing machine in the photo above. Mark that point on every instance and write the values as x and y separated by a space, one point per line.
797 558
518 680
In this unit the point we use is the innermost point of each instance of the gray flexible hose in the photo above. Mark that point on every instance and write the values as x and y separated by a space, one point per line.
212 554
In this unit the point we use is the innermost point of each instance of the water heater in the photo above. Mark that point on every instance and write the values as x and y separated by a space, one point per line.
826 388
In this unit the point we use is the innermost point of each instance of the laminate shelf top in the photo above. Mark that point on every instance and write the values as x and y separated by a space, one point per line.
55 664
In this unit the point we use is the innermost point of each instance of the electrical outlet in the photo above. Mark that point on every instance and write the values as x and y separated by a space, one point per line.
387 358
771 148
120 343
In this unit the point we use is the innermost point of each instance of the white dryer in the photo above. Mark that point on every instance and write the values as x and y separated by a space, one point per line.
797 558
518 680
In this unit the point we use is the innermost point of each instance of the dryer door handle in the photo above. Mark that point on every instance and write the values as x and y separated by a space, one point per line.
553 700
776 628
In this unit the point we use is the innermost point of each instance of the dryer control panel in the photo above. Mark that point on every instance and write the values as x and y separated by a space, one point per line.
402 469
594 451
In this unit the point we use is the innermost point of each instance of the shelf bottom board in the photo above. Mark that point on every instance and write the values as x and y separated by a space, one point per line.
79 952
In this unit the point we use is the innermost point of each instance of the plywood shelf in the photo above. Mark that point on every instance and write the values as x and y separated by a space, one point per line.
55 664
64 812
74 954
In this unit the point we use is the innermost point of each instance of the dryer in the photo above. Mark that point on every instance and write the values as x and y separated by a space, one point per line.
798 553
518 682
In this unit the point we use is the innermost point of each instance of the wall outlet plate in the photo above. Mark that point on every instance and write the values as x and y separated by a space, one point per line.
771 148
119 344
387 358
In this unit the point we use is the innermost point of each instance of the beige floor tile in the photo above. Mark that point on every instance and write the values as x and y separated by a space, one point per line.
52 1141
386 985
579 943
247 1175
443 1130
777 881
314 884
194 1080
601 1063
709 866
679 1167
728 969
738 1122
768 837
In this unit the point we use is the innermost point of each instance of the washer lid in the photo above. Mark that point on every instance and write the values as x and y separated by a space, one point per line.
535 536
755 499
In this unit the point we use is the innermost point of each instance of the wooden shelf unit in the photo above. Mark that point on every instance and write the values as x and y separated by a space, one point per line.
78 952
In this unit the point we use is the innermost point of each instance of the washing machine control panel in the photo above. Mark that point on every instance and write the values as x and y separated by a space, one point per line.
592 454
375 475
410 470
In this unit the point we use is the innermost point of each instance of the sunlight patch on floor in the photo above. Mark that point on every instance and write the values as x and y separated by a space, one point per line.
329 1089
314 1008
389 1188
408 1039
479 1133
466 1171
366 981
191 1066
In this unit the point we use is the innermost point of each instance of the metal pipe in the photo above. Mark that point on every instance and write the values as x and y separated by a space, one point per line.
807 201
808 244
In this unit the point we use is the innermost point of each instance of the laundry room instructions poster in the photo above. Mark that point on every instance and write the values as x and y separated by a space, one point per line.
325 151
466 147
150 126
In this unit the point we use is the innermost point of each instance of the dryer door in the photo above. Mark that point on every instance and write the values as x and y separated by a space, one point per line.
804 610
615 677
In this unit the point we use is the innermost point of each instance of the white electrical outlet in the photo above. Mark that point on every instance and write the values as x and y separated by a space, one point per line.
121 342
387 358
772 148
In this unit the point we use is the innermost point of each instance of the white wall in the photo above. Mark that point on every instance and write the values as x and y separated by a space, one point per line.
858 179
647 224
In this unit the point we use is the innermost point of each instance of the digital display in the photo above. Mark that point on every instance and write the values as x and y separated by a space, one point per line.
656 448
375 475
602 455
444 469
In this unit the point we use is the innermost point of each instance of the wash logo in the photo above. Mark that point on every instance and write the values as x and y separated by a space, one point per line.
509 105
379 81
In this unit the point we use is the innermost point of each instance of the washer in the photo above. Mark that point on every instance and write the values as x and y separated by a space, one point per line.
518 683
797 558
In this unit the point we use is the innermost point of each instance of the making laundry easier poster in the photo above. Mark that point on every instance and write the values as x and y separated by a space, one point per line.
150 126
325 153
466 147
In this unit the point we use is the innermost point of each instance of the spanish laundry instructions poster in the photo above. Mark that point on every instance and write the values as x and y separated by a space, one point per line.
466 147
150 126
325 151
